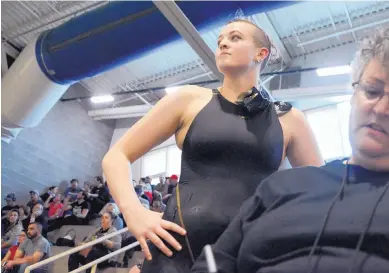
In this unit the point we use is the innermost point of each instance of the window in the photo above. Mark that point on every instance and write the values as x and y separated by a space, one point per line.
154 163
173 160
162 162
330 126
344 110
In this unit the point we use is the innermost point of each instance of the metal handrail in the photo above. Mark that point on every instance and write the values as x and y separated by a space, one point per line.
81 247
104 258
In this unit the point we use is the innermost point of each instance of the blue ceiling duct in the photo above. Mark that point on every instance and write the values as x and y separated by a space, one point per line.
120 31
93 43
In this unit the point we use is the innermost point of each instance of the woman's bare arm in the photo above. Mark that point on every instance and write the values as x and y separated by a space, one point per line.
155 127
302 149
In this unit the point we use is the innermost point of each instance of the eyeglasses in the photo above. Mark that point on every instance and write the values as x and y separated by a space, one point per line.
373 93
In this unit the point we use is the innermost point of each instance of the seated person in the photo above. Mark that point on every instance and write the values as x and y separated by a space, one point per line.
117 220
158 205
139 192
12 250
161 185
54 206
50 193
72 191
170 186
10 199
35 199
87 187
79 213
11 233
38 215
331 219
33 250
148 188
99 195
24 214
97 251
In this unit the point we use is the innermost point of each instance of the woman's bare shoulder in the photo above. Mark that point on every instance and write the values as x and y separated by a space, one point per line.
191 92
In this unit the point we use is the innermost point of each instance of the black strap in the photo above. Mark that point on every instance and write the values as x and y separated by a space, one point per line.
75 233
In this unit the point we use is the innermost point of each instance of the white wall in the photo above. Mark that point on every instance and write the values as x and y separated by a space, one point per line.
341 55
122 125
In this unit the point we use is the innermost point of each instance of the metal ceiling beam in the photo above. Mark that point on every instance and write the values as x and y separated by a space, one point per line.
65 16
33 12
188 80
183 26
294 94
349 21
344 32
291 94
333 21
265 23
142 99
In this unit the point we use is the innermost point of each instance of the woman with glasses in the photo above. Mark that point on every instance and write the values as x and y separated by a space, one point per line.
97 251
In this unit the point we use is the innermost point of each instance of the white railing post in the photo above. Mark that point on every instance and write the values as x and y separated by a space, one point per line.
94 268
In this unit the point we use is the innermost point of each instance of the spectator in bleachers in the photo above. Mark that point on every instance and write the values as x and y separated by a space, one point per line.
12 250
79 213
72 191
99 250
54 207
10 199
158 205
50 193
115 210
117 221
161 185
24 213
35 199
11 233
148 183
38 215
99 196
33 250
148 189
139 192
87 187
170 186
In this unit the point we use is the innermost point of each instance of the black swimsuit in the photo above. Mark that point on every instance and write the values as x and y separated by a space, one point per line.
227 152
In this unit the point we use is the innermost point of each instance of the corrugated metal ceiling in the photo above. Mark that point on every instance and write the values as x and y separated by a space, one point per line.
177 62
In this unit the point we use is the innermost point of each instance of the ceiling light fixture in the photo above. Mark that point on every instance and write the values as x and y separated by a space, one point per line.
172 89
335 70
102 99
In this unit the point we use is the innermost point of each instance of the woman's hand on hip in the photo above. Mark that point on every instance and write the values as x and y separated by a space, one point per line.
146 224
